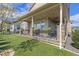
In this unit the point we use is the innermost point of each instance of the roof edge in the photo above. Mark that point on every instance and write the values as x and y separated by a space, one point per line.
32 6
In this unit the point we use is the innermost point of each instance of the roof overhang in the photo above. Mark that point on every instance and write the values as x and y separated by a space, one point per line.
46 6
48 10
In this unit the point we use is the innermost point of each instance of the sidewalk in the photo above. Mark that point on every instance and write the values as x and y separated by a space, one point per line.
69 46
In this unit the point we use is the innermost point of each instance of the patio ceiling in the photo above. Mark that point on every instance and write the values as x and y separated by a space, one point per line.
51 11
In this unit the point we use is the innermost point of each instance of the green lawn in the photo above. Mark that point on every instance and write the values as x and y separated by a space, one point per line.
24 46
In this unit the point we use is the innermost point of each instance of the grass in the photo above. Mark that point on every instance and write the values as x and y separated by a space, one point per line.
25 46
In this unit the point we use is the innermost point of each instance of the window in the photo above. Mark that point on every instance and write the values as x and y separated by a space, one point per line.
40 25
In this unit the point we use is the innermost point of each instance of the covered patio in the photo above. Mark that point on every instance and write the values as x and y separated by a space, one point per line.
47 22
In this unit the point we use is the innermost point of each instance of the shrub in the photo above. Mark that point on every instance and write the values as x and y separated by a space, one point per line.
75 38
28 45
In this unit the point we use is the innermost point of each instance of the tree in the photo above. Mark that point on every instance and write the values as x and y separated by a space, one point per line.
6 12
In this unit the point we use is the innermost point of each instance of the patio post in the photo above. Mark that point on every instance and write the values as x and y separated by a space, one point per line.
61 18
31 29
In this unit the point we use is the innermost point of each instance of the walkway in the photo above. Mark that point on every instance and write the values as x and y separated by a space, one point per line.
69 46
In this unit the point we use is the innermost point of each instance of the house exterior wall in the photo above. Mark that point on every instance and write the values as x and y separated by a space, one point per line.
66 25
12 28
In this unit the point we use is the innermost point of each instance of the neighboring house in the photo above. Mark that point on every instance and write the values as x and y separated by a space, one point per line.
43 20
11 28
15 28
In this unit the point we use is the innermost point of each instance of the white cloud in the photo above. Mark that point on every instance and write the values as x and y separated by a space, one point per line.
21 14
75 24
75 17
75 20
18 14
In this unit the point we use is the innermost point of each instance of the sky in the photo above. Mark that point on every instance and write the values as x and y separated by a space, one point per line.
20 9
74 14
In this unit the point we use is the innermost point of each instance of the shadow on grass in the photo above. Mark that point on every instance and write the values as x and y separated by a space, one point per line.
4 44
28 45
